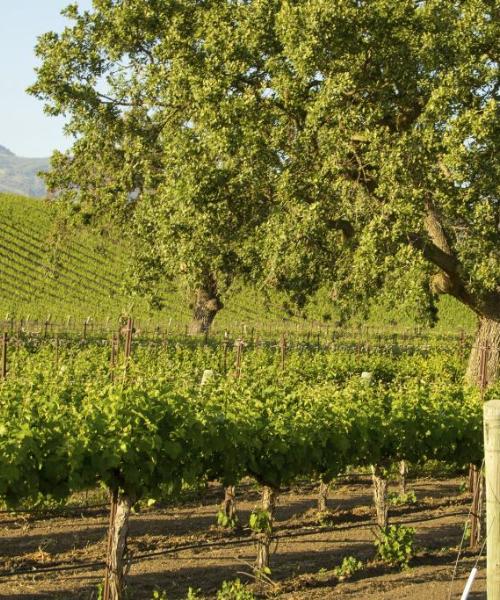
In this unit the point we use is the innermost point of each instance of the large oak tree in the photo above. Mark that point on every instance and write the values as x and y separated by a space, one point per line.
352 143
147 108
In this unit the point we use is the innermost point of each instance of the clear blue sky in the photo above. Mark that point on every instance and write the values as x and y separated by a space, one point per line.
24 128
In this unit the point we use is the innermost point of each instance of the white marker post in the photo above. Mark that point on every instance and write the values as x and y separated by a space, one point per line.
492 468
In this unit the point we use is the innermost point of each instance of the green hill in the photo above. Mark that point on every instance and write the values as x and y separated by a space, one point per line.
71 277
20 175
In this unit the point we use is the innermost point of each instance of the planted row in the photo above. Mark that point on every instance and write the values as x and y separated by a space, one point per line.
148 437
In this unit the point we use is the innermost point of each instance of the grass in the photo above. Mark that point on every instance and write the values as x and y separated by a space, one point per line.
47 273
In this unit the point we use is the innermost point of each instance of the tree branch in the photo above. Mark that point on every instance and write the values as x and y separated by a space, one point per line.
446 262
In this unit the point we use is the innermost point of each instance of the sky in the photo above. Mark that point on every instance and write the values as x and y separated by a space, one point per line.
24 128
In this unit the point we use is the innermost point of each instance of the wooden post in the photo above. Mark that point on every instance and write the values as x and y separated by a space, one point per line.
56 351
475 476
239 349
128 339
112 358
492 467
283 350
225 346
475 529
4 356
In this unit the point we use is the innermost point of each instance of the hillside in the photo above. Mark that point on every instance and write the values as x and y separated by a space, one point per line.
77 275
20 175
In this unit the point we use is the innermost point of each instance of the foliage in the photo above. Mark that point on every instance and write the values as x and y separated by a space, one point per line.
155 431
49 269
260 521
396 499
192 594
349 567
345 144
395 545
234 590
226 521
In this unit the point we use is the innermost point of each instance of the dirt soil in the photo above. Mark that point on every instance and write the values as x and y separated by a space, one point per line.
306 551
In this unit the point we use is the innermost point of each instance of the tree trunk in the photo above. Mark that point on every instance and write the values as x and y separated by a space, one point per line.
484 360
118 544
229 505
379 480
269 497
206 305
323 497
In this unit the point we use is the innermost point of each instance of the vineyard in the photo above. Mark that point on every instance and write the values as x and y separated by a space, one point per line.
48 271
168 420
250 339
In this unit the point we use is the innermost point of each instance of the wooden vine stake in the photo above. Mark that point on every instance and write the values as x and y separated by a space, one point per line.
4 356
113 356
56 351
283 350
492 468
476 477
128 341
225 345
239 351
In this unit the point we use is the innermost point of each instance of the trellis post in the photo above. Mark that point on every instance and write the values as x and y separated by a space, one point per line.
492 468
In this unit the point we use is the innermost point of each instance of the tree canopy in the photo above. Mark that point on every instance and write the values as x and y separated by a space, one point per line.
301 143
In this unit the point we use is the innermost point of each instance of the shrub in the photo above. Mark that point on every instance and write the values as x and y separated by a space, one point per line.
395 545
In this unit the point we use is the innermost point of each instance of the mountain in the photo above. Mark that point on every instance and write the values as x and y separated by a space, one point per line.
20 175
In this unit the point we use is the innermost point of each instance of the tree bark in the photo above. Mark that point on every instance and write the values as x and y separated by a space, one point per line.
484 360
118 545
269 497
379 480
207 304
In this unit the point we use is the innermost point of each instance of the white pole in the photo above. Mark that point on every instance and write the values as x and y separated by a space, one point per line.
468 585
492 469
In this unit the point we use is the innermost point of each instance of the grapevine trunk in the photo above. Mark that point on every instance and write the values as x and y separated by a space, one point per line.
379 479
269 497
322 497
118 545
229 506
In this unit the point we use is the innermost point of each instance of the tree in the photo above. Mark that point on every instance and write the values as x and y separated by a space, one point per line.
367 131
145 107
390 131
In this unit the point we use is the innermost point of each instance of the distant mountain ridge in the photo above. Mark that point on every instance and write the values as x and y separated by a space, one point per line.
19 175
